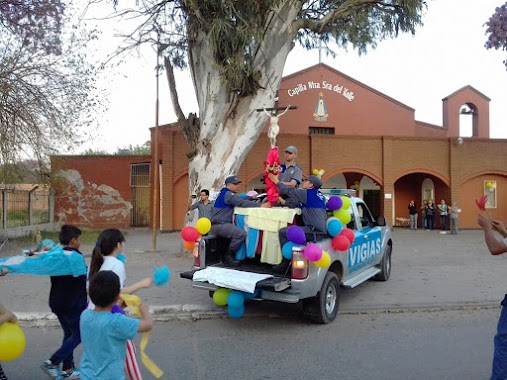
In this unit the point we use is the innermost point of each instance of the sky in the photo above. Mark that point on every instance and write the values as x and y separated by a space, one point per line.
446 54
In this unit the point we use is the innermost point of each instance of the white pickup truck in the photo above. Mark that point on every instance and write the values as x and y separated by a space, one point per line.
369 257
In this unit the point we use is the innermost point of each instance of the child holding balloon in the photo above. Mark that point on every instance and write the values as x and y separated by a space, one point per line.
105 333
5 316
107 255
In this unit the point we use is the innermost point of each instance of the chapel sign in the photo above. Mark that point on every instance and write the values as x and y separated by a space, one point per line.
324 85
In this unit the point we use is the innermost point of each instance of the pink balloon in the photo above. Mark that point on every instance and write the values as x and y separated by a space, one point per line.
313 252
189 233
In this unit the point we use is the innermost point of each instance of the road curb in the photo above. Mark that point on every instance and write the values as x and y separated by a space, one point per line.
190 312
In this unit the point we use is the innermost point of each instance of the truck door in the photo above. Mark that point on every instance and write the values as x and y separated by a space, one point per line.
365 251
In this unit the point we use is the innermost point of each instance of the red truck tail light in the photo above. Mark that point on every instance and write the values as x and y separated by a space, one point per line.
299 264
195 253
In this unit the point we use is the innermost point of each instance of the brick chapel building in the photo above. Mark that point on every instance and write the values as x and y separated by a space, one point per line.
362 138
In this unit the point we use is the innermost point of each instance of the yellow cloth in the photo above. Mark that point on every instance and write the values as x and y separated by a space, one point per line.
270 221
133 303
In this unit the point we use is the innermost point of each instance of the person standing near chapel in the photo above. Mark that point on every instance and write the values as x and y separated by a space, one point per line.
204 206
412 211
443 210
454 211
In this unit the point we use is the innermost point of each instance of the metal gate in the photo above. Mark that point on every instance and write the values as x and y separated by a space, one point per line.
140 195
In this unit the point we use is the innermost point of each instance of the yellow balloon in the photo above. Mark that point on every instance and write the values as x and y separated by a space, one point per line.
343 215
325 260
322 171
345 202
203 225
315 172
12 341
489 184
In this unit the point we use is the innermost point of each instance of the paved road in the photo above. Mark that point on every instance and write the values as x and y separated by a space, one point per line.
450 345
430 271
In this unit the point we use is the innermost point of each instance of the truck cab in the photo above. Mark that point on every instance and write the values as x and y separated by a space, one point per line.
318 289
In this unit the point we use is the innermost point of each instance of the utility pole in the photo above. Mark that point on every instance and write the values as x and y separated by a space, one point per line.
155 219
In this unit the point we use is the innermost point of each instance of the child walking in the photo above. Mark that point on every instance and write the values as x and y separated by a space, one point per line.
105 334
67 299
109 246
5 316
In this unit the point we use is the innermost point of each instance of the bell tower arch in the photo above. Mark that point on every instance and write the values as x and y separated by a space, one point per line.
471 102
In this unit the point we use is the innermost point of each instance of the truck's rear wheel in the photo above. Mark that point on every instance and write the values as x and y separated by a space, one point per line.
324 306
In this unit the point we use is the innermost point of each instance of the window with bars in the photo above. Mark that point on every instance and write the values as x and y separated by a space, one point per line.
140 175
321 130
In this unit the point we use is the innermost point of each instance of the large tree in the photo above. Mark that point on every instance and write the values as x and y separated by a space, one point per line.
236 51
46 82
497 30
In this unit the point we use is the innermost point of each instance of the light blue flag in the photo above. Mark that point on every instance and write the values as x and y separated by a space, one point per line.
55 262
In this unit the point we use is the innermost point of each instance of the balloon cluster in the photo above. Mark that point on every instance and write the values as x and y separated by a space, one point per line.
342 236
318 173
190 234
233 299
12 341
313 252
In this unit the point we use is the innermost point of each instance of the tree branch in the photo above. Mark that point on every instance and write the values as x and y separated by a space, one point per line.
318 26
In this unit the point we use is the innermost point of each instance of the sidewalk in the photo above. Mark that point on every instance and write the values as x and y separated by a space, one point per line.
430 271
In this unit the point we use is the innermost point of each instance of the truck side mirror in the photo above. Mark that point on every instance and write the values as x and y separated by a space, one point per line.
381 221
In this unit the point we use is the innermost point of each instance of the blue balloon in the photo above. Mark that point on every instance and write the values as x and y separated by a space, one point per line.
236 312
249 296
161 275
287 250
235 299
334 227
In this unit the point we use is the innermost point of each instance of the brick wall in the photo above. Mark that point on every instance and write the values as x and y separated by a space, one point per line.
93 192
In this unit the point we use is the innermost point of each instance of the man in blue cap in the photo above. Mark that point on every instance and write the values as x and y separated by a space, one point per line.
313 210
222 217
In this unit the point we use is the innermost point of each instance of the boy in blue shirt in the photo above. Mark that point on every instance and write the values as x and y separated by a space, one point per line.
104 335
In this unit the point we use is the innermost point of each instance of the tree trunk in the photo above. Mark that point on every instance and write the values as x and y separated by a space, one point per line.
230 125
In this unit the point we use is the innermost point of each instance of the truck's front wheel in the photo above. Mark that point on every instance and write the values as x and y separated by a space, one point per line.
324 306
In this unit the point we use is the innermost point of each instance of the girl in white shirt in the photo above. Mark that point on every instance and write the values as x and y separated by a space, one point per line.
108 247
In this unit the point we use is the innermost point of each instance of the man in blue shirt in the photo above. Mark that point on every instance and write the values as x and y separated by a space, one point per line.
222 218
313 211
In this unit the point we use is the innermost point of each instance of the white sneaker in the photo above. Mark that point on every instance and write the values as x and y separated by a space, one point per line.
72 375
443 232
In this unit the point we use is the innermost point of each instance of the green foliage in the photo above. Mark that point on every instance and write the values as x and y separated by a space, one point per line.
137 150
236 31
497 30
96 152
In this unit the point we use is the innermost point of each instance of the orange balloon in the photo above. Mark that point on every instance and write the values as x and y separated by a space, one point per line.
189 245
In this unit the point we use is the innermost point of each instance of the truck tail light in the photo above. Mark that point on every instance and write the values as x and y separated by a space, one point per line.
299 264
195 253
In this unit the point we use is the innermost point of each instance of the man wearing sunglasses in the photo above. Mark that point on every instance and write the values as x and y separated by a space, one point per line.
290 175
